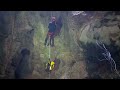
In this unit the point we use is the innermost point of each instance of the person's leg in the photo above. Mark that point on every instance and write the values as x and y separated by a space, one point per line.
46 39
52 40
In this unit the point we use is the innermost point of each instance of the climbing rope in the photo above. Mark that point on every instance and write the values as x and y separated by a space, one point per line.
49 46
49 53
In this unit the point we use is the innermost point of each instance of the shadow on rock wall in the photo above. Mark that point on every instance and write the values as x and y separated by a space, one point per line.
20 66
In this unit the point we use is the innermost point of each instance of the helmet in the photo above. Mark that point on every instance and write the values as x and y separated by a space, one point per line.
53 18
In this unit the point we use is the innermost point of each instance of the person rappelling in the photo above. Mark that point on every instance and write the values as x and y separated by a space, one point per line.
54 30
51 32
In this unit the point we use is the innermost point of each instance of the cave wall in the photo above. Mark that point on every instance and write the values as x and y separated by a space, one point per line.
101 26
19 35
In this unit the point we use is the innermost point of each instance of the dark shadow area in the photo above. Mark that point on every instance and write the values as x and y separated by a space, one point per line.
100 69
22 69
20 66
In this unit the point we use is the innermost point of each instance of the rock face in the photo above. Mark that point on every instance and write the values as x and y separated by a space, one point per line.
19 35
75 48
104 27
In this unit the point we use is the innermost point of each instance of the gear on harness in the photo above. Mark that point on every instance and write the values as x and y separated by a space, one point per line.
50 66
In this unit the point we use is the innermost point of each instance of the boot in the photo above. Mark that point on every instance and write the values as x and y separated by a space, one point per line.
45 43
46 40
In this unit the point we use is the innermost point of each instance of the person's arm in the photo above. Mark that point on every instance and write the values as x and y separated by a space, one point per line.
49 25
